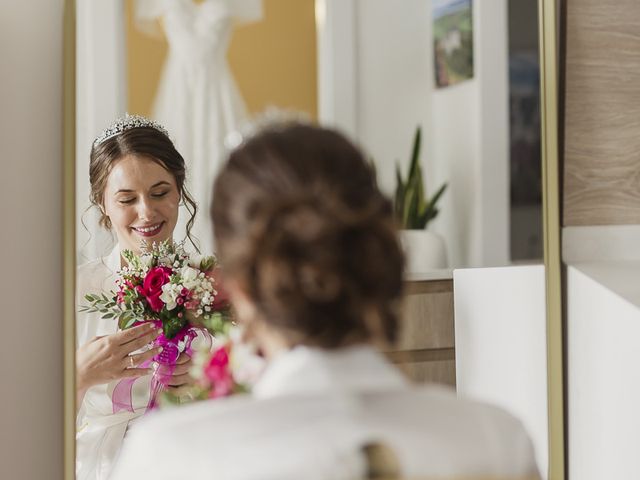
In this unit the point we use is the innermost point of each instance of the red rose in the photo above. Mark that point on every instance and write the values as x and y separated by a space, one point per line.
151 288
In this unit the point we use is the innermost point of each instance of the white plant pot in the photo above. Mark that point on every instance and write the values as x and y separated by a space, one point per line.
424 250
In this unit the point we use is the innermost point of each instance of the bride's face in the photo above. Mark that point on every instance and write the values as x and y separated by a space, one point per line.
141 199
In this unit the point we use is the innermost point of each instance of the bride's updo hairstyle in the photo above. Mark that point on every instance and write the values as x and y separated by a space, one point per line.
146 142
301 225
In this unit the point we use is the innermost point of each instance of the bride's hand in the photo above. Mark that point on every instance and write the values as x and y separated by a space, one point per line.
111 357
180 375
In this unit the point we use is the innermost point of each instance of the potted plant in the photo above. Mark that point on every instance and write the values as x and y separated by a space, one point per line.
414 210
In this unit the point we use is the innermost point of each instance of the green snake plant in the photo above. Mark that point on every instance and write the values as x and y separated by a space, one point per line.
412 208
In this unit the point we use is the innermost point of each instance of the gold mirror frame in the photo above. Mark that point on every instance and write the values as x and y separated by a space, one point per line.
548 16
548 27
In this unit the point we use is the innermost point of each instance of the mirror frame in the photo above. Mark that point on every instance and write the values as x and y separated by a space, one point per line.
548 12
548 28
69 238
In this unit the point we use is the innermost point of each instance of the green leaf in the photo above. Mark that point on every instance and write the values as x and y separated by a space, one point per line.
207 263
411 211
415 154
412 207
171 326
400 194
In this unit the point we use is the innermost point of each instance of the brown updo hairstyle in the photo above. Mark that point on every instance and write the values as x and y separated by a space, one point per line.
300 223
142 142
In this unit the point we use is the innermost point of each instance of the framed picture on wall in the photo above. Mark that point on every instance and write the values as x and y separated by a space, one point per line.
452 41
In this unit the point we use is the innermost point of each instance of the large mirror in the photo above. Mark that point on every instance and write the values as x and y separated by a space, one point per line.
370 71
459 78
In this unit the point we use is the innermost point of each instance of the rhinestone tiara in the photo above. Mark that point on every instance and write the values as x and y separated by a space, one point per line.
125 123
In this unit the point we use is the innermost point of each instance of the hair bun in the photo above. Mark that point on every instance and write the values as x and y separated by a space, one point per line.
300 221
295 243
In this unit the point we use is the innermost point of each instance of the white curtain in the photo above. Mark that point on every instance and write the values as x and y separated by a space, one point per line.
101 97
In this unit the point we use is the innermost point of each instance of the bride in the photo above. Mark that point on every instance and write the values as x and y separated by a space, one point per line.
137 181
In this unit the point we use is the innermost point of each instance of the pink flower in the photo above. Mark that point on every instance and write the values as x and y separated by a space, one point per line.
219 373
151 288
120 296
192 305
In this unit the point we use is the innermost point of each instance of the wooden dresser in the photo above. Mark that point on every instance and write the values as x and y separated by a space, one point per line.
426 346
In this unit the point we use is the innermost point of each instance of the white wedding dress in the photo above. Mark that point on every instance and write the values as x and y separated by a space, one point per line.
99 431
197 100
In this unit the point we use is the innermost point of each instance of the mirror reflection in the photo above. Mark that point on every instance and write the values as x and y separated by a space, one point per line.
480 136
442 102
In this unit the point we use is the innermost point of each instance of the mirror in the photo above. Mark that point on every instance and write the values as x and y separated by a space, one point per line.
371 69
343 65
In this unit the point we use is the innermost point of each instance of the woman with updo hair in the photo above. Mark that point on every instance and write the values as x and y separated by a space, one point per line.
137 182
314 269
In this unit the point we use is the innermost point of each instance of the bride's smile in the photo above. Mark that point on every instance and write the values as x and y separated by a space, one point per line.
149 230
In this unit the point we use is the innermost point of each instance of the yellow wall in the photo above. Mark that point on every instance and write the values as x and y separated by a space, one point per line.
273 60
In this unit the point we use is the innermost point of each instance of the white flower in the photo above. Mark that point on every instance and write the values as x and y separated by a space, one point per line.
146 260
195 259
189 277
169 295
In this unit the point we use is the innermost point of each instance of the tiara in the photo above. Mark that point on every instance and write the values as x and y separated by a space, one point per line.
125 123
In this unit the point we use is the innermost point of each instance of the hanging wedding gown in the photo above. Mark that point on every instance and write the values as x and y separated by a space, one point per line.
197 99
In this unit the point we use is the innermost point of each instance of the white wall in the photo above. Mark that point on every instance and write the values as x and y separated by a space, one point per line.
469 141
465 127
603 325
501 338
394 78
30 242
101 97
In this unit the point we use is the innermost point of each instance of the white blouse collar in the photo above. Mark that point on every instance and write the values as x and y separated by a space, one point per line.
306 370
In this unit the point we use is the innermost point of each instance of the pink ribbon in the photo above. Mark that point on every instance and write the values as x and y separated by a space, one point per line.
121 397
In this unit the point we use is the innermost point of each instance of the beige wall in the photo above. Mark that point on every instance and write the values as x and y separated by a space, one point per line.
273 61
602 126
30 241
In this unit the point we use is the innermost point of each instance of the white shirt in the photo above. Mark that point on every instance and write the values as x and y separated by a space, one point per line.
99 432
310 414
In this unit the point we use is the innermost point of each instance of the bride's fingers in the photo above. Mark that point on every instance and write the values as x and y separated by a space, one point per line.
181 369
139 342
182 390
131 361
136 372
126 336
183 358
178 380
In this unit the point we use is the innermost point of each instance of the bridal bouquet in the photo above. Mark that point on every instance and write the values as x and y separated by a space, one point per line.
230 367
177 291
